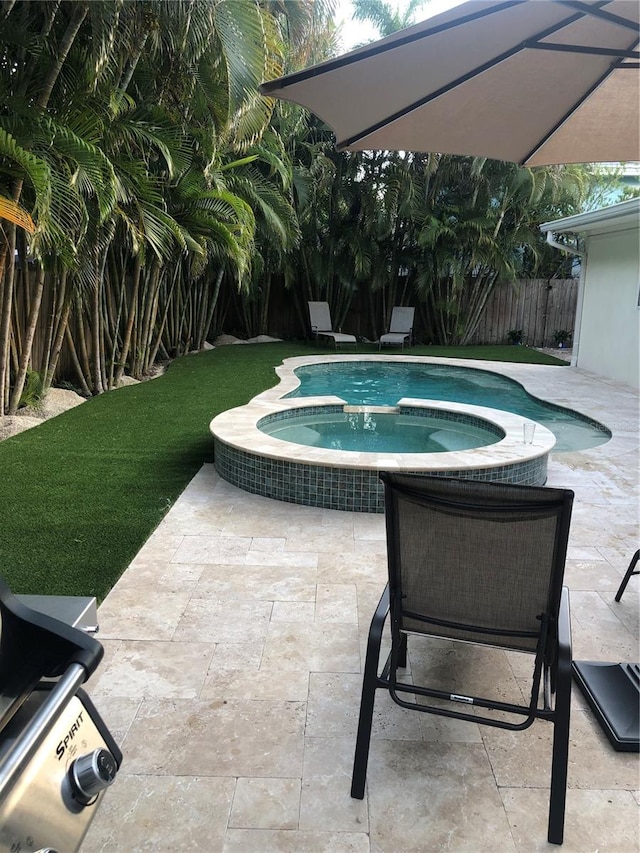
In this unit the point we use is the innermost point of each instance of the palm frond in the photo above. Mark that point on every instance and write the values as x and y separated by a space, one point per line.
99 171
12 212
33 168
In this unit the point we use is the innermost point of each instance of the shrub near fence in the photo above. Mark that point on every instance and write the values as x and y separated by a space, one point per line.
539 307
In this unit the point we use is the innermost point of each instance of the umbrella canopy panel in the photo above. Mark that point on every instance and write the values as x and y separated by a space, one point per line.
532 82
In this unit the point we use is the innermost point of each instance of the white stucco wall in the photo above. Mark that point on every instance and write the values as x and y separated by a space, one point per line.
609 333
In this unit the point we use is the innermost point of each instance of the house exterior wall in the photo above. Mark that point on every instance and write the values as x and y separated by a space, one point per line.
609 336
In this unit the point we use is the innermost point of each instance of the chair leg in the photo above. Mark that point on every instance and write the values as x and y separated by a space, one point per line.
560 763
560 759
630 571
369 685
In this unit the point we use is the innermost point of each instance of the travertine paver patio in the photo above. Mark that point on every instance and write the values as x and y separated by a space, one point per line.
234 644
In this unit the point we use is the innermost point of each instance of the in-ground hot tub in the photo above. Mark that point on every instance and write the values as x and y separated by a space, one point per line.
264 464
381 429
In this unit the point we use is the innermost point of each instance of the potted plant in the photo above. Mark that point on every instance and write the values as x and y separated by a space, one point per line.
515 336
562 338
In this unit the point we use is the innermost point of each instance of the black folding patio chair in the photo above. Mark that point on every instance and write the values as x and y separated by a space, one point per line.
612 689
482 563
631 570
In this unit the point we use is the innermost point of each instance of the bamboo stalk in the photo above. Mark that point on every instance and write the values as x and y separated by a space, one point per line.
76 362
84 362
96 340
60 334
213 303
79 14
113 380
5 319
131 319
25 356
49 331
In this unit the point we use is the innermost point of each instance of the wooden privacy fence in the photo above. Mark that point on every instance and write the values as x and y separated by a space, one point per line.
539 307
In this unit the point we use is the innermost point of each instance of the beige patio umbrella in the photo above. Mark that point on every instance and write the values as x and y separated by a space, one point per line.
535 82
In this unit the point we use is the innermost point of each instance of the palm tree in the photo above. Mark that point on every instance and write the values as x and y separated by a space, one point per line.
387 18
143 101
478 226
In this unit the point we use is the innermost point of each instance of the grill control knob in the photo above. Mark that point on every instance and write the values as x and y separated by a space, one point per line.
92 773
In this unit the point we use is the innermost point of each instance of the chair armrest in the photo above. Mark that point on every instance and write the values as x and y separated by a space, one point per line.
378 620
564 621
564 635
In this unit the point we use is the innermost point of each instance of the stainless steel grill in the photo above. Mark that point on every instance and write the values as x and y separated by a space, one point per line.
57 756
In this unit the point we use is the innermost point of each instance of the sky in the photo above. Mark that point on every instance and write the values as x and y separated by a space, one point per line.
356 33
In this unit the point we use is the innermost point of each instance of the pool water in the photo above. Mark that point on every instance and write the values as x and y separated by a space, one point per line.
384 383
378 432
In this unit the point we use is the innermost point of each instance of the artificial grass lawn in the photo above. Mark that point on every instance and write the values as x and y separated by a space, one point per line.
83 491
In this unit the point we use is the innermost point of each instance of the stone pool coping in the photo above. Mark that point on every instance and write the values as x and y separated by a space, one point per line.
349 480
239 428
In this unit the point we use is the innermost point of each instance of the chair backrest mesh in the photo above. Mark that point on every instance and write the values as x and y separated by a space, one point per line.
475 554
402 320
320 316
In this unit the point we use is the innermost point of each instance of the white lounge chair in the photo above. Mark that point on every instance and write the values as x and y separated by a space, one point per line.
320 318
401 327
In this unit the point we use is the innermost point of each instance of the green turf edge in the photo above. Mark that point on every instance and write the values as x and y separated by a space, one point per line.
83 491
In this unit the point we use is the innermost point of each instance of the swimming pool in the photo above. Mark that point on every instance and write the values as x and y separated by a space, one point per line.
249 458
375 383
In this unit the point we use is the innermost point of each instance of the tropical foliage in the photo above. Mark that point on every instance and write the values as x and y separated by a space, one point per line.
148 193
133 134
